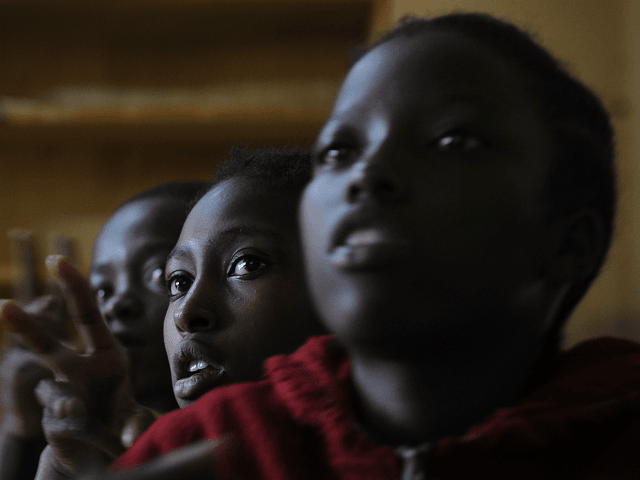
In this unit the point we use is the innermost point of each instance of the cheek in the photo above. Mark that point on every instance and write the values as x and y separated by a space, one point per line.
482 211
157 305
171 336
319 209
262 310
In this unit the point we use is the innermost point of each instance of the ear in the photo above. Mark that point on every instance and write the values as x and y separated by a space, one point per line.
576 247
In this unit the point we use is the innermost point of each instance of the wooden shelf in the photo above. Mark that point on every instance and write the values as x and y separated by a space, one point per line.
101 99
46 45
242 114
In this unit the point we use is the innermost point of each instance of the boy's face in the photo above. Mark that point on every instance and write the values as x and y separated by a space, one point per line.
127 276
423 227
237 288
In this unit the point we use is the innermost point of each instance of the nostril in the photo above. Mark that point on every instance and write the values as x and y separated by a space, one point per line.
200 324
377 189
353 191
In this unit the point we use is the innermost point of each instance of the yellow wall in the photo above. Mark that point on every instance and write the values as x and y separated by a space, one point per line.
596 39
632 267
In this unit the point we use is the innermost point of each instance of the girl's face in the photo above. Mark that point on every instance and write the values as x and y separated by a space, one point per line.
236 288
127 276
426 218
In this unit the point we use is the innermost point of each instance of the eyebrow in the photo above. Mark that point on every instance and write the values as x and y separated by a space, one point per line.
184 252
179 253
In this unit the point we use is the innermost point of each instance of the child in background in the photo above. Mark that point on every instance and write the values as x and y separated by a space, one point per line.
236 289
462 203
127 279
127 276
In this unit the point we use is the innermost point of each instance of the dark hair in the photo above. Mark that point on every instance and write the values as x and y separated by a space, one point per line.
282 169
582 175
182 191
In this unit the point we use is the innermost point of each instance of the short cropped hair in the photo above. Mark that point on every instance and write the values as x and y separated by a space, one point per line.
582 174
278 169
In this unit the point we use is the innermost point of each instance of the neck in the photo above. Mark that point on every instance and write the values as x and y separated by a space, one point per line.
409 401
158 402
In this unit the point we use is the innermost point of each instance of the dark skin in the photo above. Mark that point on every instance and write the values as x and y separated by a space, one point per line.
430 248
21 436
93 385
98 368
430 220
127 278
237 295
235 280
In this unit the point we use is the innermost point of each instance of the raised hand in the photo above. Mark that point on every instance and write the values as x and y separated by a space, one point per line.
21 369
21 436
20 372
93 374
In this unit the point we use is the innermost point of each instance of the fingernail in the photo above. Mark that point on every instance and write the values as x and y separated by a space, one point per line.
9 312
53 265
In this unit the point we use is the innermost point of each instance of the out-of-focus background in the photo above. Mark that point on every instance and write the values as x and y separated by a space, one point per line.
101 99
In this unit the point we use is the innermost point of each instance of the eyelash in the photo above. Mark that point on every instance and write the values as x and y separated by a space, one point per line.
101 288
476 141
183 276
247 259
320 158
176 276
470 141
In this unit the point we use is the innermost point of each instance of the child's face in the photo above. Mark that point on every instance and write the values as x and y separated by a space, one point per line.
237 288
426 216
127 276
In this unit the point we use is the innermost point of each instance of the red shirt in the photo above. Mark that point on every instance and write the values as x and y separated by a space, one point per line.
297 423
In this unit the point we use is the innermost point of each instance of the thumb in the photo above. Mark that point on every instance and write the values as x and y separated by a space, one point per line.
136 425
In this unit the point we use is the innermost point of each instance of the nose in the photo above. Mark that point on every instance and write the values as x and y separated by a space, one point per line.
374 181
123 306
194 316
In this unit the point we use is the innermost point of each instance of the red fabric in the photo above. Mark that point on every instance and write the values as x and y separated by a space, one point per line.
297 424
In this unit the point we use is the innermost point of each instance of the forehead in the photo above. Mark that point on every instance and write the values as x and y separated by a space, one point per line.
430 67
237 204
148 222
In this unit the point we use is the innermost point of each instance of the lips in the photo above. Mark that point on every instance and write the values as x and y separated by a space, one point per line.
196 369
364 241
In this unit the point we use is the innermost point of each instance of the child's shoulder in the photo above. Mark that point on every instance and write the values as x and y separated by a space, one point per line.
600 348
606 365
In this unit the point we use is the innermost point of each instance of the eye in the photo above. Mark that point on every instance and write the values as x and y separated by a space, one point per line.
157 277
178 284
102 292
334 155
246 267
459 141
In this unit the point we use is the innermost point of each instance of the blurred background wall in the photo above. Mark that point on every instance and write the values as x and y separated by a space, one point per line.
101 99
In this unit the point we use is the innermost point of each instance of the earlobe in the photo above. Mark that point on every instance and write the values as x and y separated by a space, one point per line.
576 247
